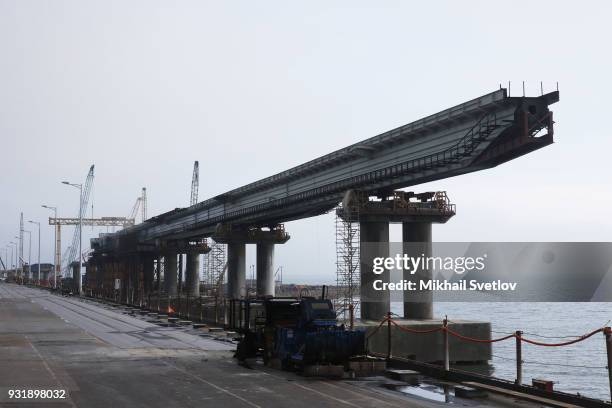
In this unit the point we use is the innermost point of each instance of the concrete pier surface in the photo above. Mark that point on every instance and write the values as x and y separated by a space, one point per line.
170 274
429 347
103 358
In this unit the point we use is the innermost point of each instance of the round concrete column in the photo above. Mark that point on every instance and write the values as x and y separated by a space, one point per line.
76 277
416 237
265 269
236 270
193 274
147 274
170 277
374 243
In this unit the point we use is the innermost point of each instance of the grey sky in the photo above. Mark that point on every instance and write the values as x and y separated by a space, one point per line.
248 88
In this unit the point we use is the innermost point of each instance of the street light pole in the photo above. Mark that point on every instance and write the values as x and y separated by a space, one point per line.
13 257
38 223
19 259
5 250
80 187
29 251
6 260
58 260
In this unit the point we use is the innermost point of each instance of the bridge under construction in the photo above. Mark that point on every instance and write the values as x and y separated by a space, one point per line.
361 181
138 303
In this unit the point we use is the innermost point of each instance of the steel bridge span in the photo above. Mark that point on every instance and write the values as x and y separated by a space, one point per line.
475 135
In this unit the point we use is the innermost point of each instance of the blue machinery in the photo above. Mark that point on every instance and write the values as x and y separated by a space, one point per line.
295 332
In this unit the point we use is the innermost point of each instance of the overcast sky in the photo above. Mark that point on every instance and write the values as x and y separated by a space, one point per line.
141 89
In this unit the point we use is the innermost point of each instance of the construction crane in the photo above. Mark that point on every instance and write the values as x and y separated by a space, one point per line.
135 208
85 192
195 183
140 204
144 204
71 254
94 222
65 256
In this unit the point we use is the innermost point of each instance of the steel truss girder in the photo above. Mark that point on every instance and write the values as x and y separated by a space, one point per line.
456 141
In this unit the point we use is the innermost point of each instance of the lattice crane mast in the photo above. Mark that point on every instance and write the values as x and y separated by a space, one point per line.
86 191
144 204
195 183
135 208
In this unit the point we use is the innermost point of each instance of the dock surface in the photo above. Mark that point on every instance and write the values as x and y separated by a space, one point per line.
103 358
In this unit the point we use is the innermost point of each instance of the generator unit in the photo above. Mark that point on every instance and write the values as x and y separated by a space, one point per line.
299 332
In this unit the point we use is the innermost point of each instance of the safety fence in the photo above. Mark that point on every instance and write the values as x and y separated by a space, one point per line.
517 335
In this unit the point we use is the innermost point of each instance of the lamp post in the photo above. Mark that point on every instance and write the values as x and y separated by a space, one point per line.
58 259
80 187
18 260
29 252
5 250
12 257
6 256
38 223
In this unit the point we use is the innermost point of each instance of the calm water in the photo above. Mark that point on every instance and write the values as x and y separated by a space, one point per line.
578 368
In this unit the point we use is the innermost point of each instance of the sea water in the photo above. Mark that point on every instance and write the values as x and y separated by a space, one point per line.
578 368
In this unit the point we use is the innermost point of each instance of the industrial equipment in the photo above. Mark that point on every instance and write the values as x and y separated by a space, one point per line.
66 286
294 332
135 208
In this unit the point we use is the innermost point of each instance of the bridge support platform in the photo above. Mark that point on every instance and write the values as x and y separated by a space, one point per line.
236 240
416 213
429 347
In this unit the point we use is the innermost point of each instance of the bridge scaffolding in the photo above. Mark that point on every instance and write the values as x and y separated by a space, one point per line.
213 268
346 300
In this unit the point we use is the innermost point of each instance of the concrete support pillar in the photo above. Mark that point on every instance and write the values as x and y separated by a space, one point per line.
265 269
159 265
416 237
129 266
192 280
147 274
374 242
76 277
236 270
170 274
180 274
123 273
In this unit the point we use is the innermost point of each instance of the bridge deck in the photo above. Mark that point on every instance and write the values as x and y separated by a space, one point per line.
478 134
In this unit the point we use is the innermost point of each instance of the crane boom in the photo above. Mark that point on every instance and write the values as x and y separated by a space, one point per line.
86 190
135 209
65 256
195 183
144 204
